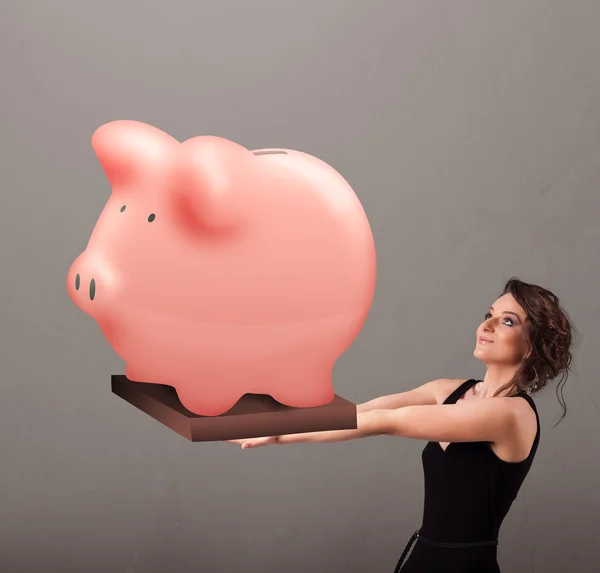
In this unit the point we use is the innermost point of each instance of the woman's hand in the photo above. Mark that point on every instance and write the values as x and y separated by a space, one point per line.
255 442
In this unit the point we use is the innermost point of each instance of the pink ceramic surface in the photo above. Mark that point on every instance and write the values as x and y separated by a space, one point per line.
221 271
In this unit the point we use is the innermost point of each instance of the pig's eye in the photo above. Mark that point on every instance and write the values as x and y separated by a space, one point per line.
151 217
123 208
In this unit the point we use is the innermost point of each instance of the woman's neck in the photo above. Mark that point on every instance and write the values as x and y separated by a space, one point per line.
495 379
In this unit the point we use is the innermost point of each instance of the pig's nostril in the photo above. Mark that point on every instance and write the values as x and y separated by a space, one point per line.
77 281
123 208
92 289
151 217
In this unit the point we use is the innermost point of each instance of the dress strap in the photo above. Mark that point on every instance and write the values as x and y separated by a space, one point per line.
537 416
466 385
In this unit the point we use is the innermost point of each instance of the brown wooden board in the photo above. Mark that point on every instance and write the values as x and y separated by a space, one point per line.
254 415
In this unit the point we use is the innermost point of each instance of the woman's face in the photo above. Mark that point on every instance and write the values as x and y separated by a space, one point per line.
501 338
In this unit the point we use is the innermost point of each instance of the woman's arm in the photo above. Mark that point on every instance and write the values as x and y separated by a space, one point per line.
475 421
420 396
368 424
424 394
493 420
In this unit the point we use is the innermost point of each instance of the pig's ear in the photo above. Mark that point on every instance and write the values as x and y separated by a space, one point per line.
132 151
216 182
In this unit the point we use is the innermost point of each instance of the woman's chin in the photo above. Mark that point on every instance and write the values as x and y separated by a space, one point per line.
480 353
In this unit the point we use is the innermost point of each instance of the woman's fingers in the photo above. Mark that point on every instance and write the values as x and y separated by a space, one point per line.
253 442
257 442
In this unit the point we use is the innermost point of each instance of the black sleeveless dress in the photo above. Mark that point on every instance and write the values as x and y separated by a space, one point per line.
468 492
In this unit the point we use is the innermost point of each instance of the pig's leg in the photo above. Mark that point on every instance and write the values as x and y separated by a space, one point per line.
303 387
136 374
204 401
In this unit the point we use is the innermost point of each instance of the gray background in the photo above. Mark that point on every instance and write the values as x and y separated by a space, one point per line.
470 131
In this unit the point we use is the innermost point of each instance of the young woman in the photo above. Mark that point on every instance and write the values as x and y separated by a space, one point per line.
482 434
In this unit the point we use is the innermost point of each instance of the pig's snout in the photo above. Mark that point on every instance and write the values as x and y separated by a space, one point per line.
92 289
88 284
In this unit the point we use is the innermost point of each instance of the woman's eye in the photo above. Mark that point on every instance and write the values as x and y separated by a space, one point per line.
489 315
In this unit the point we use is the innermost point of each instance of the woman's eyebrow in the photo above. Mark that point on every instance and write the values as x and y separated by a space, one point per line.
509 312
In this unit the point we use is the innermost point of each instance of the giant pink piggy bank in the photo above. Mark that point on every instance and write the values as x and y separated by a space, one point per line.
222 271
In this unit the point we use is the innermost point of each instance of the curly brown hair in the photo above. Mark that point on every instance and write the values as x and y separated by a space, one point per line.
549 334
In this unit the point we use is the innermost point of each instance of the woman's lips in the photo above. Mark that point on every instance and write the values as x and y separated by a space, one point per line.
483 340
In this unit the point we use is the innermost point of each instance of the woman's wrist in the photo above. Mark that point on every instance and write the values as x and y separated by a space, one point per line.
372 422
